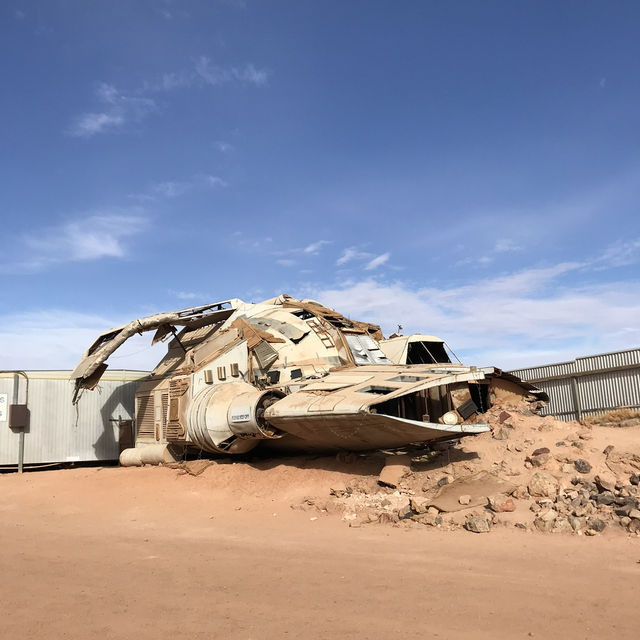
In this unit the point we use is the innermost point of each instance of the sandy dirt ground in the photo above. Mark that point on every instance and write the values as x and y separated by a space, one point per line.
153 553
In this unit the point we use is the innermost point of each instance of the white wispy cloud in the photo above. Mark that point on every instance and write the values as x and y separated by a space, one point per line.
88 124
91 237
506 245
224 147
315 247
174 188
214 75
170 188
120 108
289 257
620 254
353 253
215 181
378 261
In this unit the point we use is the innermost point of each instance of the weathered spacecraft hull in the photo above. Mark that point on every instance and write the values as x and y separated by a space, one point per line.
299 375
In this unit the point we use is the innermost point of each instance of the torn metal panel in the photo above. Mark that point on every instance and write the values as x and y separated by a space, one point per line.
110 341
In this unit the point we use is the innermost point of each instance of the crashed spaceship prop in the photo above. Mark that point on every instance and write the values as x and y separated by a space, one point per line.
295 375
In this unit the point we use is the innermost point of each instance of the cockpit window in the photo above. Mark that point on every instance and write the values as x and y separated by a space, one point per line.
427 353
365 350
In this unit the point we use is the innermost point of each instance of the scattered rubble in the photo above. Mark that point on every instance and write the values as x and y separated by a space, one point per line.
545 476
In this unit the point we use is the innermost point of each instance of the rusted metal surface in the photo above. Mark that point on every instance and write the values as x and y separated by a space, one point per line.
296 372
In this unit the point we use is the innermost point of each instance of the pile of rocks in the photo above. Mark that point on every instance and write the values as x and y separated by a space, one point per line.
530 472
588 506
585 507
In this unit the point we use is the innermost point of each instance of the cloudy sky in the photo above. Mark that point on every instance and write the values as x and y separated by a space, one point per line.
468 169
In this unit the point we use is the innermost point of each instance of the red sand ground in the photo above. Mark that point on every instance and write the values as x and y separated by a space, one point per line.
149 553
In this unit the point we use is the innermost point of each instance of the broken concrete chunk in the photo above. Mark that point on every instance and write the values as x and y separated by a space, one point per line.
520 493
405 512
395 468
543 525
478 524
417 507
428 519
477 486
501 434
388 518
623 463
548 515
605 481
500 503
561 525
577 523
543 485
196 467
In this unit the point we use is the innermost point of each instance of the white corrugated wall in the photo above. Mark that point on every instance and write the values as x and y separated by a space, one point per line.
588 386
60 431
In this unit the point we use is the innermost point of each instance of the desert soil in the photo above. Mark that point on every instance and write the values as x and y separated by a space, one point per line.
153 553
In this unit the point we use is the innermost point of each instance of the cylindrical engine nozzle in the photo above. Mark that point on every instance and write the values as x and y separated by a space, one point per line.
229 418
246 414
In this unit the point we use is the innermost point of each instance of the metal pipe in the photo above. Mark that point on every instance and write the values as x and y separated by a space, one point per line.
16 380
576 398
16 388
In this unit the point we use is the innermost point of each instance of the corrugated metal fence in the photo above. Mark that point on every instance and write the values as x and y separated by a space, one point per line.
58 430
588 386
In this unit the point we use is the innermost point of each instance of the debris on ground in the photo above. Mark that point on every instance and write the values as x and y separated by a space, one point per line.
538 475
469 491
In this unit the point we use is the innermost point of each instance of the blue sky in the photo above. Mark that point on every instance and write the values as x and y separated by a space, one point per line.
469 169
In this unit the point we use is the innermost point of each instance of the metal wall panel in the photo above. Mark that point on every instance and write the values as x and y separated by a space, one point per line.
602 382
62 432
560 398
603 391
609 360
545 371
